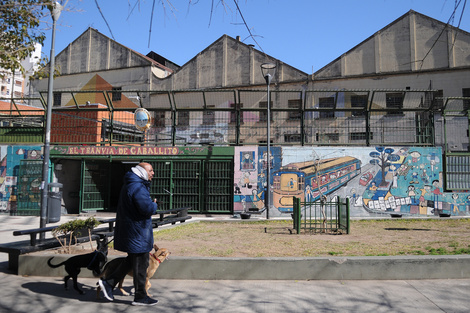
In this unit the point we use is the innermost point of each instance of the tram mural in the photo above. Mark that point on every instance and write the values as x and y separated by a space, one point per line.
377 180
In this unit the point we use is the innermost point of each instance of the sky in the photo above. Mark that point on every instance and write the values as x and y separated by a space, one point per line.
305 34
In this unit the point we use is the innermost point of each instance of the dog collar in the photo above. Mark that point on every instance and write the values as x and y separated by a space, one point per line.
153 256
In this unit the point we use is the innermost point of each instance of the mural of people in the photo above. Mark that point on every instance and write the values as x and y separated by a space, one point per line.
398 179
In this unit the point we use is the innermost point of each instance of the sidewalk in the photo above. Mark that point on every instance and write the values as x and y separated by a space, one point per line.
40 294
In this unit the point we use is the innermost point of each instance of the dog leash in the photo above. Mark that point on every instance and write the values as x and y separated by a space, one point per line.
95 254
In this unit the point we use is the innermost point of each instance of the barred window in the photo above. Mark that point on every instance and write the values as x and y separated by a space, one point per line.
458 172
394 101
263 115
294 104
208 117
359 102
57 100
116 94
327 103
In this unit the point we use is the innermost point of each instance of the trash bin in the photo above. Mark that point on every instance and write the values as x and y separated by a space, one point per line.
54 203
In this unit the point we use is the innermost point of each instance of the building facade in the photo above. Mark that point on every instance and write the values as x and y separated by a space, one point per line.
372 125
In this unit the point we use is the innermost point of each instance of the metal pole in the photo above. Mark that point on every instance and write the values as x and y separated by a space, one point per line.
268 151
268 70
55 13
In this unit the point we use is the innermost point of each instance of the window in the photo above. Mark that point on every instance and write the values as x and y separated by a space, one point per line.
438 103
466 103
360 136
208 117
359 102
327 103
234 114
18 83
394 102
159 119
292 138
264 113
458 172
183 119
294 104
116 96
57 101
328 137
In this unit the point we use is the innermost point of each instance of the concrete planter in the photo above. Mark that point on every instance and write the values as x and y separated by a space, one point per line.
334 268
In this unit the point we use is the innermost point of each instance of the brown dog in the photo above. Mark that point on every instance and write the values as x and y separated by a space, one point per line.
155 259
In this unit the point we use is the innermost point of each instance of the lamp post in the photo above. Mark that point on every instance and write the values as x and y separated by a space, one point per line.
268 70
55 9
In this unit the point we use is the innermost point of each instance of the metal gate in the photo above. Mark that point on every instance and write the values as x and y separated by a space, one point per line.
205 186
95 186
219 187
29 192
322 216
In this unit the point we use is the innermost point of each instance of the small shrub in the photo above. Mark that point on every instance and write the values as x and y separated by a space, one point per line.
71 230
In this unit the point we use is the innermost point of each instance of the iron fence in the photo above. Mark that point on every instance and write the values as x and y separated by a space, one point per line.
322 216
239 117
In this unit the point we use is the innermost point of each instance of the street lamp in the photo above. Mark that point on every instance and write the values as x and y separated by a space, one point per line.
55 9
268 70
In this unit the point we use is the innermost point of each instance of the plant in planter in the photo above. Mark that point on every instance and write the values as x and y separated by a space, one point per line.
74 229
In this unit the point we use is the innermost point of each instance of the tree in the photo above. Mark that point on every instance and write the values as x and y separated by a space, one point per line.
19 30
383 157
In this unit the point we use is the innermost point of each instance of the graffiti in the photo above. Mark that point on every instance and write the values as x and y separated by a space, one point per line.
377 180
11 157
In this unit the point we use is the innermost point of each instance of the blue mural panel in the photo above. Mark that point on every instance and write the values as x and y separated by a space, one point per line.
377 180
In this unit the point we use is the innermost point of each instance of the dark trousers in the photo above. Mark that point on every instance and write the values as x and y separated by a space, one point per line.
139 263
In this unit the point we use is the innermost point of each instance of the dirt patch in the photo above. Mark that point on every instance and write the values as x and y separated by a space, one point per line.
274 239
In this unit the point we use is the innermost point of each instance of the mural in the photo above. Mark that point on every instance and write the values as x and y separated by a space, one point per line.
11 157
377 180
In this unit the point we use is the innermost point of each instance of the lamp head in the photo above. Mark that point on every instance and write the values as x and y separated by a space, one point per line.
268 70
55 9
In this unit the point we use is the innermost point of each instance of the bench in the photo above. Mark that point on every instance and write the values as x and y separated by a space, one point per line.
34 244
176 215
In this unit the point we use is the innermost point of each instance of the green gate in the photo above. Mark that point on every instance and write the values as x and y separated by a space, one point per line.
219 186
322 216
95 186
205 186
29 192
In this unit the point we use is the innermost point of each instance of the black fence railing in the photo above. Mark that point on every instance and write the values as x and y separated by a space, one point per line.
322 216
239 117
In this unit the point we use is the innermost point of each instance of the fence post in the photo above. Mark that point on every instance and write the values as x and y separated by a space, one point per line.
296 216
348 224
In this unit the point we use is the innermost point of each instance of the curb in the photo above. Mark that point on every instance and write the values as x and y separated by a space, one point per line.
321 268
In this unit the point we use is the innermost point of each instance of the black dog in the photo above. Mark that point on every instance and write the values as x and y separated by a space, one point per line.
93 261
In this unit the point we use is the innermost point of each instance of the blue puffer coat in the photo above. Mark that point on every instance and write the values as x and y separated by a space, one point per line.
134 232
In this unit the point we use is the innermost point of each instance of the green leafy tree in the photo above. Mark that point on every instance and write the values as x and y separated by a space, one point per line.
20 30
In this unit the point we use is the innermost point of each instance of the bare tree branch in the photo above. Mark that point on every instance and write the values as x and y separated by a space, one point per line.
102 15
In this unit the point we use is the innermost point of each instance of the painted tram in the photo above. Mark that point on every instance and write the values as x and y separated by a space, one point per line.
304 180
